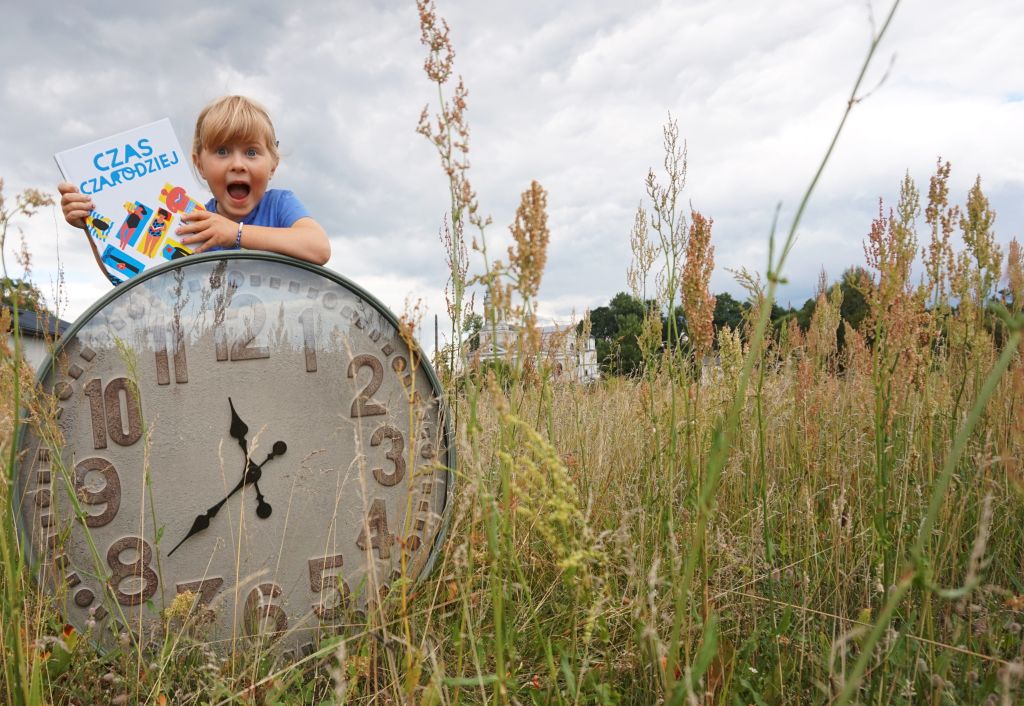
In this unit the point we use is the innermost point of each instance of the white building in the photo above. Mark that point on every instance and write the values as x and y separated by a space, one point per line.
38 335
566 353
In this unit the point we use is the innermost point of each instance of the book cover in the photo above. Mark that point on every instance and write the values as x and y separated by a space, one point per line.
141 182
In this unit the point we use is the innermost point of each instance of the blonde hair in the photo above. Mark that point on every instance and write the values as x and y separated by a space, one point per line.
234 119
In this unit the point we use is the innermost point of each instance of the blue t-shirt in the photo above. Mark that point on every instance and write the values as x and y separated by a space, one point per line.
279 208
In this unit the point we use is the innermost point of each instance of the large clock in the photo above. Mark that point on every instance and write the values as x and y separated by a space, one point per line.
253 431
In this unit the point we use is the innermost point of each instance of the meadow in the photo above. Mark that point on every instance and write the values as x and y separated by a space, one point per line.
760 516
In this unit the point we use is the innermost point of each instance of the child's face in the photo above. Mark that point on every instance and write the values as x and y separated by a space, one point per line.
237 173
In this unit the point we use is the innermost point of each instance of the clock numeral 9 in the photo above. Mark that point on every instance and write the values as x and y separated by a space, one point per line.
110 493
364 405
105 411
394 455
260 607
318 582
242 348
138 570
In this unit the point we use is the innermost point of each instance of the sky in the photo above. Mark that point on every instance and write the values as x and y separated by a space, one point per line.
573 94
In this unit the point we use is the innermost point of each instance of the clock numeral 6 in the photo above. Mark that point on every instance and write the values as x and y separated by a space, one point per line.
138 570
364 405
105 411
318 582
260 607
110 493
394 455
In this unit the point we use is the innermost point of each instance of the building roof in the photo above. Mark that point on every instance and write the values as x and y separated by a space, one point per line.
38 325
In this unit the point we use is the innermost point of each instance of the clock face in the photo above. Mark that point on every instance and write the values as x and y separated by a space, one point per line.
244 427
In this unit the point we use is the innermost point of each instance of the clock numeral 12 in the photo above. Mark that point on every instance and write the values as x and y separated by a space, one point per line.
105 412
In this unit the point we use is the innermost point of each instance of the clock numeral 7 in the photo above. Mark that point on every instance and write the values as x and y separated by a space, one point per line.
105 411
206 589
318 582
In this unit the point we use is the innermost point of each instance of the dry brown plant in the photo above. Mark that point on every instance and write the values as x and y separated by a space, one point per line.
697 300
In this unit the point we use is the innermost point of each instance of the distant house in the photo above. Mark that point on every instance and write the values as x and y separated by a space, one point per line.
38 334
568 355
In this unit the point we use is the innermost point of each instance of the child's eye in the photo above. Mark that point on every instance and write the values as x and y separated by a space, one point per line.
251 152
222 151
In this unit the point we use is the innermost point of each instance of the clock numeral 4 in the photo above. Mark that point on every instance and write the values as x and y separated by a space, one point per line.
375 534
318 582
105 412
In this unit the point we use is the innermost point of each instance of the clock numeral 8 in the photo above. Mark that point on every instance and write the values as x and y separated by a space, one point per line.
110 493
105 411
138 569
260 607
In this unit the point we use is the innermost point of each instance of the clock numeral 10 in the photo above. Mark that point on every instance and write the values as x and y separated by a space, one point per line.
105 411
260 607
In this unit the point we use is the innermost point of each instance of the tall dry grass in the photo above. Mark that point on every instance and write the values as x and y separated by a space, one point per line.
793 523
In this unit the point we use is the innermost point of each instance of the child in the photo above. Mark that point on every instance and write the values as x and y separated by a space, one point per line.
235 151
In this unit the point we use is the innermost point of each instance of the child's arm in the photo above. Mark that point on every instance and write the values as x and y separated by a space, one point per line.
76 207
304 239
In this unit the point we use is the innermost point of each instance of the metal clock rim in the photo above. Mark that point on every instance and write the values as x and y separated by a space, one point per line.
119 290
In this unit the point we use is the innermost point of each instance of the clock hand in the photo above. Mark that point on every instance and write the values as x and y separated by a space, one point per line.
252 474
239 429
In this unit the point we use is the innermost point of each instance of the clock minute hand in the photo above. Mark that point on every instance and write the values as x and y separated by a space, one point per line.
239 430
203 521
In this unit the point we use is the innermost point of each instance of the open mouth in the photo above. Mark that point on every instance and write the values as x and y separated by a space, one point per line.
238 191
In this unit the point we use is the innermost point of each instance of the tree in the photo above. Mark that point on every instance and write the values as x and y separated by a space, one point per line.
615 329
728 311
28 295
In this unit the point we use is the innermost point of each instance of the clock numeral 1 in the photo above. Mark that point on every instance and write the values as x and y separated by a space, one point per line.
260 607
163 373
307 319
318 582
376 527
105 412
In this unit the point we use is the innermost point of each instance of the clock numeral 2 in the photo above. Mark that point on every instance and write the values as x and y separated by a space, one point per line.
105 411
364 405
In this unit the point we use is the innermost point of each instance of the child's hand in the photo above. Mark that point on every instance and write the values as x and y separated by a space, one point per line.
75 205
206 229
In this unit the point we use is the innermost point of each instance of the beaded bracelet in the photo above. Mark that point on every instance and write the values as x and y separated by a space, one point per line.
238 237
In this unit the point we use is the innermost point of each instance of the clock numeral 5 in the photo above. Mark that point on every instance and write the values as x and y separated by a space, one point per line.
105 411
260 607
318 582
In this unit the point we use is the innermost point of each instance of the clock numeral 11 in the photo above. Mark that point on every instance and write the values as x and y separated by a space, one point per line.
105 412
163 372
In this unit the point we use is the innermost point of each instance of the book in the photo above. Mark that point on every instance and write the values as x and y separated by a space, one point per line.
140 182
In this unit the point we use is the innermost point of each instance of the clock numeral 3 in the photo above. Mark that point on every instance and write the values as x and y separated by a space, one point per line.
110 493
105 412
138 570
260 607
318 582
364 405
394 455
